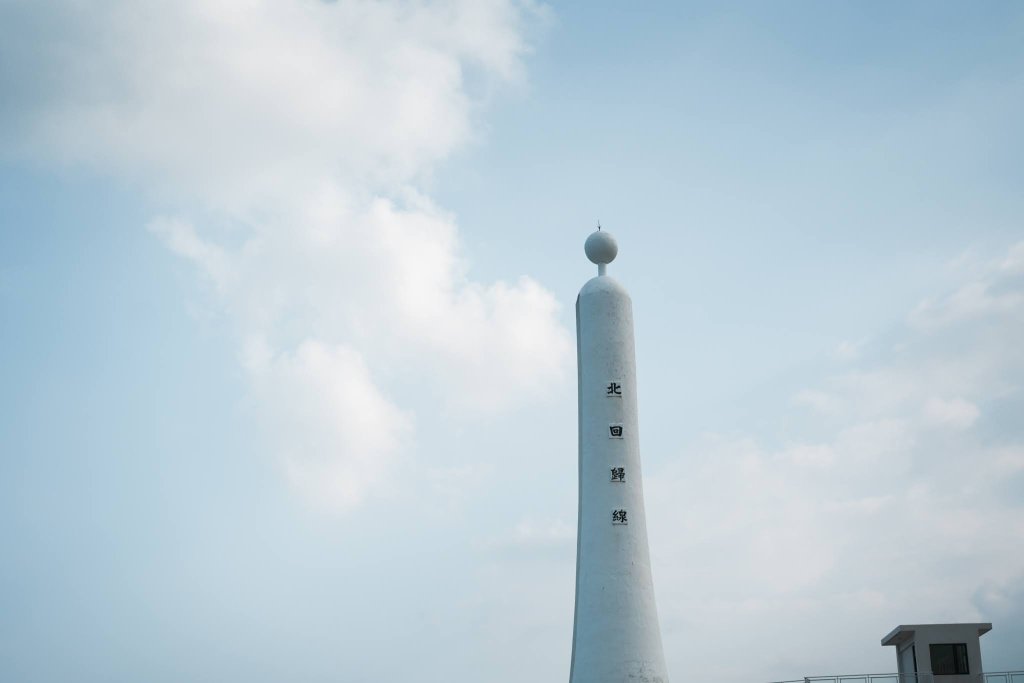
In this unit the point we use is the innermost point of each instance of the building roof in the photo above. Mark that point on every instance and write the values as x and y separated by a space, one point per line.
905 632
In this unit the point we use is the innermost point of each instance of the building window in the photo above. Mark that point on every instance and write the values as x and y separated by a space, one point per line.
949 658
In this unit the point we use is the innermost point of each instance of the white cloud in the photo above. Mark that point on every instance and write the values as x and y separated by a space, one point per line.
235 99
848 350
339 434
181 238
956 413
1014 261
985 296
821 401
288 142
904 505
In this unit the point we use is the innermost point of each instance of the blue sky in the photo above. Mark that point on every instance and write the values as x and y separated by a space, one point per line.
287 288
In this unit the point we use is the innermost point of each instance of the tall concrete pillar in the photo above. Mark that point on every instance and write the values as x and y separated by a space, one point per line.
616 638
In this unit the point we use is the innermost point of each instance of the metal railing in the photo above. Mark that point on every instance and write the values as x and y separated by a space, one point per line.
994 677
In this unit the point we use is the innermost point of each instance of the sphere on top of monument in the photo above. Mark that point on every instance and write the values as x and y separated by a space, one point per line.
601 247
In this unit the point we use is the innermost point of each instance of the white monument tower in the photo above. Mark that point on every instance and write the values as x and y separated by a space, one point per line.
615 638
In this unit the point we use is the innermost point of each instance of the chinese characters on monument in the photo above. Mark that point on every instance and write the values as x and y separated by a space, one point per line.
619 517
619 474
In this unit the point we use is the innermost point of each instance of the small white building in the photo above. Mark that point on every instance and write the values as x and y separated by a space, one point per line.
950 651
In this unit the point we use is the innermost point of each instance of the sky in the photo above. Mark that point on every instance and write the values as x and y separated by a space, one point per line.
286 321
